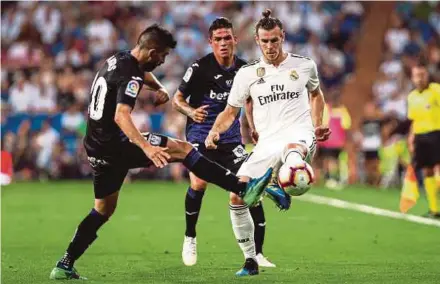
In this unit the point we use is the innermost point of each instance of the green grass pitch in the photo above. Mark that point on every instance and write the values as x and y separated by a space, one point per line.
142 243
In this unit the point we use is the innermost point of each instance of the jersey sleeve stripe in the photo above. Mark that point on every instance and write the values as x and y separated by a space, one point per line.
251 63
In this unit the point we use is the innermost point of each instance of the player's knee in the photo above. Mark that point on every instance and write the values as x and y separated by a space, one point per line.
234 199
180 149
186 147
198 184
294 148
105 210
297 147
105 207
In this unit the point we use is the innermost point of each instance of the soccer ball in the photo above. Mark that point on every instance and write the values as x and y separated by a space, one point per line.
296 179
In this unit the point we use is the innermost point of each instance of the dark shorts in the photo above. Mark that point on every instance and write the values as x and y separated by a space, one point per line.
230 155
371 155
329 152
109 171
426 150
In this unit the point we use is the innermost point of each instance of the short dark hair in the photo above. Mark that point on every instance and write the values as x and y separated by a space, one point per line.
220 23
156 37
267 22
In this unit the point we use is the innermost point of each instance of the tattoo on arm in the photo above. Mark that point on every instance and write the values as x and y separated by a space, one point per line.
181 105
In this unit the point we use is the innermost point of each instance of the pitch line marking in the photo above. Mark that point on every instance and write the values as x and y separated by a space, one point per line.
367 209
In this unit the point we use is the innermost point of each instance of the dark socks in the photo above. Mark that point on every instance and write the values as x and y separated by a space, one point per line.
213 172
84 236
257 214
193 203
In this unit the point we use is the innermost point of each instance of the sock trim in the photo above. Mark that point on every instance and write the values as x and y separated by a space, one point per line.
237 207
195 194
96 213
192 158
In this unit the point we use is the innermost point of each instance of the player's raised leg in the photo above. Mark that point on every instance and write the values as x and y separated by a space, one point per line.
249 190
193 203
292 153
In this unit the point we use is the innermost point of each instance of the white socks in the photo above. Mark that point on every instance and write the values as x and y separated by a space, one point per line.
243 228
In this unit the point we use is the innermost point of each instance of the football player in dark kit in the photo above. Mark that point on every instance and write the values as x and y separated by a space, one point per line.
207 83
114 145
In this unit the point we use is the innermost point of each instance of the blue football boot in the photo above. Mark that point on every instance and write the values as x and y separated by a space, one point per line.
281 199
249 268
255 188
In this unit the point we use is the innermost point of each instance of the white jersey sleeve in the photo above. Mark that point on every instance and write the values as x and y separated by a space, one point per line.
240 90
313 82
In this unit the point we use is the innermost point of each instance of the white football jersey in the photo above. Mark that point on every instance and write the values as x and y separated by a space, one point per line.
280 94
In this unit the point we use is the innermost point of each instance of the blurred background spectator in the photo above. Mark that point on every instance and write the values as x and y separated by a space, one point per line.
329 152
412 34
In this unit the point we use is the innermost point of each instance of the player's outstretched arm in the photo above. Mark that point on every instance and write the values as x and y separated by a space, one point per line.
125 123
151 82
181 105
222 123
317 103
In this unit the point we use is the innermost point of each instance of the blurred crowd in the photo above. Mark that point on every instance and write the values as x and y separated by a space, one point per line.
414 34
381 146
50 51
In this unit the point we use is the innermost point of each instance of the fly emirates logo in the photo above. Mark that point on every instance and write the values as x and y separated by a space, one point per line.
278 93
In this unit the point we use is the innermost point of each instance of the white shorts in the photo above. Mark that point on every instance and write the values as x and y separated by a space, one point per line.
269 152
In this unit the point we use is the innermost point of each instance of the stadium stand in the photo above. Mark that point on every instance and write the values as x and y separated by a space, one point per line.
49 59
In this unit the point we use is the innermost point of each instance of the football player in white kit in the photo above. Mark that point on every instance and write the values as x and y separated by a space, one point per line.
288 107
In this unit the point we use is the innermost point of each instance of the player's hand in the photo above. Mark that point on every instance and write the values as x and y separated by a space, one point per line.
212 139
157 155
322 133
199 114
254 136
161 97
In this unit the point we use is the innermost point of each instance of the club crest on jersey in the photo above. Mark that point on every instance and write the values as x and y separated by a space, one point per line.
229 83
132 88
239 151
294 75
261 71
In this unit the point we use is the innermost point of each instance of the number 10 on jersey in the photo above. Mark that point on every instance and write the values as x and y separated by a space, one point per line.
99 91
